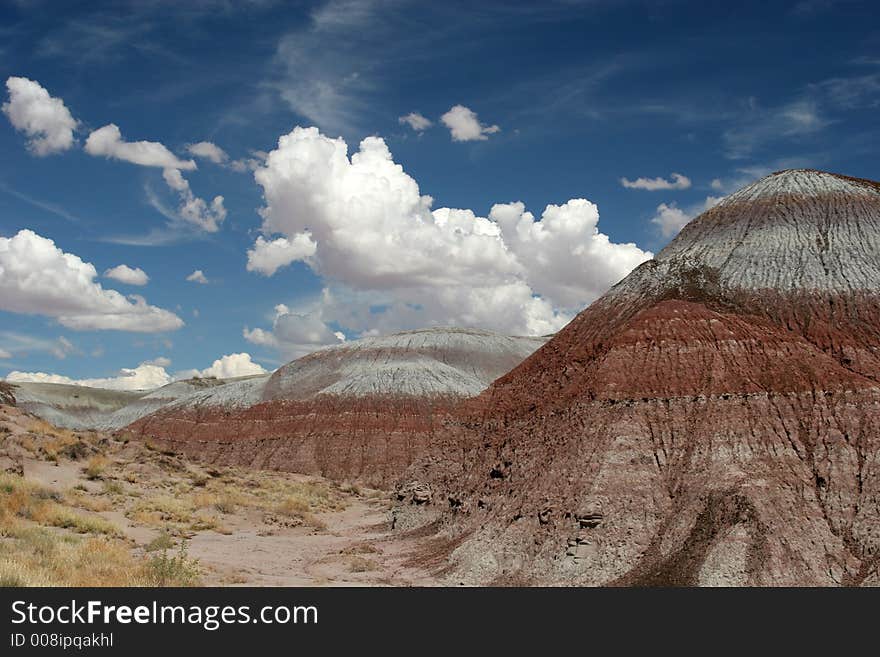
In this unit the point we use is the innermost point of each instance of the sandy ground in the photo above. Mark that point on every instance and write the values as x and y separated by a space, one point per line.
345 542
356 549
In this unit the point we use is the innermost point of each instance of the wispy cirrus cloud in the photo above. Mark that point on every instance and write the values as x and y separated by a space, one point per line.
20 344
48 206
760 126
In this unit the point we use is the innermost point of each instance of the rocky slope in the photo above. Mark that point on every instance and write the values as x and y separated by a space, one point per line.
81 407
70 406
360 410
713 419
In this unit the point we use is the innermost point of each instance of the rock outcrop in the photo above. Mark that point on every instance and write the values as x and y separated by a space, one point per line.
360 410
713 419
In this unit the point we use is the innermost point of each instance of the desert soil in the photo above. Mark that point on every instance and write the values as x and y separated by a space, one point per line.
243 527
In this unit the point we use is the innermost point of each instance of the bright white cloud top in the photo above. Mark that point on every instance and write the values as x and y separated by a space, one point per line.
464 125
377 242
143 377
676 181
36 277
128 275
229 366
44 119
267 257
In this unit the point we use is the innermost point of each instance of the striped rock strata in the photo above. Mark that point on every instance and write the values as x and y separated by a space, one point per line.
361 410
713 419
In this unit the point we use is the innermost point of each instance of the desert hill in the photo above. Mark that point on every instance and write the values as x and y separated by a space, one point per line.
713 419
359 410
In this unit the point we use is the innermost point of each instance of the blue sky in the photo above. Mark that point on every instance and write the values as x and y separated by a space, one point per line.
557 101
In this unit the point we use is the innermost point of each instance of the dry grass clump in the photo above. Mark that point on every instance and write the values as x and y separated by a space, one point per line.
21 499
56 515
75 497
42 428
50 443
112 487
41 544
175 514
264 492
164 541
37 557
165 508
357 564
96 466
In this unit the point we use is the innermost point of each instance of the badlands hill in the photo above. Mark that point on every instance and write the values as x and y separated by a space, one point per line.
81 407
359 410
713 419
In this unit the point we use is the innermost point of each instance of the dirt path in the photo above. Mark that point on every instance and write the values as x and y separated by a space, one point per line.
355 549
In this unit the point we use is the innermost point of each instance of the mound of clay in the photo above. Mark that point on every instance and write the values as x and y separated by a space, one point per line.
71 406
713 419
360 410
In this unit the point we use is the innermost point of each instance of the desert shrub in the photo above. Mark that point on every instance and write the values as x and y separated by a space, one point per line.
293 506
112 487
95 467
172 569
163 541
226 504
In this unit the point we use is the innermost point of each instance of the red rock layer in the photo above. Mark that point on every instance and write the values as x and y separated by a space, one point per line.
369 439
687 428
362 410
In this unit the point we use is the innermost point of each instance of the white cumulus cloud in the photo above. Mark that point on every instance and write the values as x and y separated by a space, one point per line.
36 277
207 216
415 121
43 118
671 218
198 277
208 151
227 367
296 332
391 262
193 209
464 125
150 374
108 142
145 376
128 275
268 256
677 181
